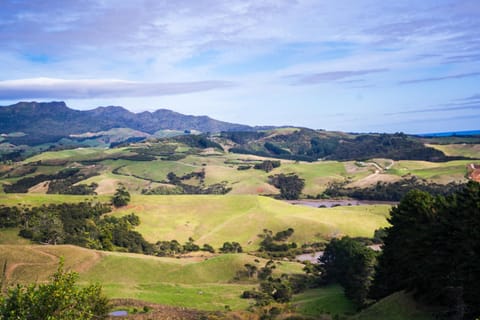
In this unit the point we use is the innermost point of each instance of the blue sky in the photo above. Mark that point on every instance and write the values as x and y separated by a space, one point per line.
356 65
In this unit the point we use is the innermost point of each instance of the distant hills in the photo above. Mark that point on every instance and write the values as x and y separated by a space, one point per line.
34 123
28 128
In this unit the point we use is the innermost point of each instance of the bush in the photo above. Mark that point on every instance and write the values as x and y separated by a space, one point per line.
60 299
121 197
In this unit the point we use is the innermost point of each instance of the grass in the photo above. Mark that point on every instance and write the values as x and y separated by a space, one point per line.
216 219
326 300
316 174
10 236
398 306
156 170
460 149
219 168
203 284
79 154
33 199
441 172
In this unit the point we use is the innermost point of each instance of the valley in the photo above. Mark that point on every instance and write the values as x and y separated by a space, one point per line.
209 190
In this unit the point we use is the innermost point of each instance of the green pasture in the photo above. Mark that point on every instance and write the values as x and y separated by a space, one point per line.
398 306
459 149
79 154
321 301
216 219
34 199
203 283
441 172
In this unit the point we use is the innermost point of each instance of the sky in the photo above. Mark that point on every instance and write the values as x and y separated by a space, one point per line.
349 65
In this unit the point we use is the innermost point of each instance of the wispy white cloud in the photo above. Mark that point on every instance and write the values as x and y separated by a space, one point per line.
172 47
47 88
448 77
314 78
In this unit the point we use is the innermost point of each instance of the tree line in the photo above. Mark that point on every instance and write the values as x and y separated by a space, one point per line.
389 191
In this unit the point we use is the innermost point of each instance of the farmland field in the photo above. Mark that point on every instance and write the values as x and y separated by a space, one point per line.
216 219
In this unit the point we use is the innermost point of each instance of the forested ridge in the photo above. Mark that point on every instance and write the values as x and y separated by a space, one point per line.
310 145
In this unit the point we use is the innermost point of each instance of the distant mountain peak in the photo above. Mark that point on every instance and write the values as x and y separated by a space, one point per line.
50 121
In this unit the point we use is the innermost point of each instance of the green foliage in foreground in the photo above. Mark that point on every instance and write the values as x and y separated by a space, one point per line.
432 249
60 299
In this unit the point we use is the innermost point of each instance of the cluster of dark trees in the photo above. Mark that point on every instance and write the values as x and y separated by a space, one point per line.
350 263
60 183
431 249
389 191
271 289
396 146
243 137
290 185
197 141
173 247
231 247
121 197
126 142
276 245
85 224
276 150
82 224
267 165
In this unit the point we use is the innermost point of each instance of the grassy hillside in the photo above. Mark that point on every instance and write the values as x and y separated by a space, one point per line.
79 154
32 199
326 300
440 172
216 219
205 284
10 236
460 149
398 306
110 167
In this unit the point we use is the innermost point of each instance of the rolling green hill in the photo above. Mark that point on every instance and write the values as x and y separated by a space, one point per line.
202 283
216 219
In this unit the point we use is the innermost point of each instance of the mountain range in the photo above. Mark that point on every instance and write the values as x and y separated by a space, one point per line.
44 122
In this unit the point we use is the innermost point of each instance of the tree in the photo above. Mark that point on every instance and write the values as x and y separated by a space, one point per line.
403 250
432 250
60 299
231 247
351 264
251 269
121 197
290 185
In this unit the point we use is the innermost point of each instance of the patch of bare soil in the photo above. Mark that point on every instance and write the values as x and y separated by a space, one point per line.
41 187
106 186
373 179
474 172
